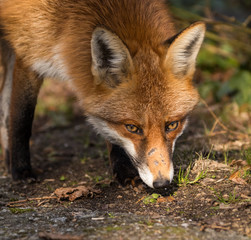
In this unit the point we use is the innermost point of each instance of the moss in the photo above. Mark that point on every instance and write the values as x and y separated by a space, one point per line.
21 210
112 228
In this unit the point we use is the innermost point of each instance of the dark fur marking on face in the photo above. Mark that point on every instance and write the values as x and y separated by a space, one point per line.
156 163
151 151
163 161
160 176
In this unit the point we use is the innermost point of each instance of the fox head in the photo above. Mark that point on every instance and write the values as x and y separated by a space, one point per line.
144 97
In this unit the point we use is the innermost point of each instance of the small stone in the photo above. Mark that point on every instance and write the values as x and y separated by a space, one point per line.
185 225
235 225
248 231
224 206
111 205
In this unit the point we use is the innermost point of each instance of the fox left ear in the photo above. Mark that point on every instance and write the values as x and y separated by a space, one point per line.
111 60
184 48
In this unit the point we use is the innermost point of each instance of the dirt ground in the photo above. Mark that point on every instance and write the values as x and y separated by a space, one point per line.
67 153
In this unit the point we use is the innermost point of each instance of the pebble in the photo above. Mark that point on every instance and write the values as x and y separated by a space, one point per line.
185 225
60 219
225 206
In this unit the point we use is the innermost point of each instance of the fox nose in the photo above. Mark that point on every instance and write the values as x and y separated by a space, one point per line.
160 183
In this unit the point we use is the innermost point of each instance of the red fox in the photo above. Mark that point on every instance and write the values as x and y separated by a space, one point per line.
131 72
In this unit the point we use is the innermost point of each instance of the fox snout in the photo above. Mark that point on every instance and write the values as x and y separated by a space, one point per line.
157 171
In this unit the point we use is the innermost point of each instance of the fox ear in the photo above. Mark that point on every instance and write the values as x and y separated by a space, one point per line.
111 60
184 48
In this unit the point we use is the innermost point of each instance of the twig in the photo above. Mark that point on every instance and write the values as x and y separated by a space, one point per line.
187 15
213 226
140 199
227 18
202 136
247 21
214 126
14 203
41 203
213 134
233 42
219 122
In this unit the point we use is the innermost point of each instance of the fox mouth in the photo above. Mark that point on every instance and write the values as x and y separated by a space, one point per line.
126 167
146 176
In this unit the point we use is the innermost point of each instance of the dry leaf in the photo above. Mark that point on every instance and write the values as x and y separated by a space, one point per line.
207 164
161 200
236 177
74 193
165 199
238 163
245 196
170 199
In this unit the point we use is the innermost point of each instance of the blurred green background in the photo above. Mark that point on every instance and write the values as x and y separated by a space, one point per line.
224 61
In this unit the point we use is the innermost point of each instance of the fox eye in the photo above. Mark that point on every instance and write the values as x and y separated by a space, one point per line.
172 126
133 129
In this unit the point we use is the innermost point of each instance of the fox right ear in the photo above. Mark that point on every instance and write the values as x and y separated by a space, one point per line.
111 60
184 48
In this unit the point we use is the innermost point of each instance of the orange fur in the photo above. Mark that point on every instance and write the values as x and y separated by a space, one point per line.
57 39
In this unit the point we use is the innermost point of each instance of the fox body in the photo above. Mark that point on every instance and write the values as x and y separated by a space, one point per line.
130 69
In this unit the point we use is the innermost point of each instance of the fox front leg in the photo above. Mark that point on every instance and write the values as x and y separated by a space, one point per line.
122 166
25 88
7 62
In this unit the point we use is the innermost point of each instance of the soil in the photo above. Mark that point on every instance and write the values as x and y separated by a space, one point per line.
67 153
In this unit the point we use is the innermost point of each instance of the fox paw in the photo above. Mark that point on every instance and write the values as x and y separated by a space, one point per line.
23 174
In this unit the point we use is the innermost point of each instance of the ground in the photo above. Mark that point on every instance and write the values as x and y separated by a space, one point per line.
208 199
